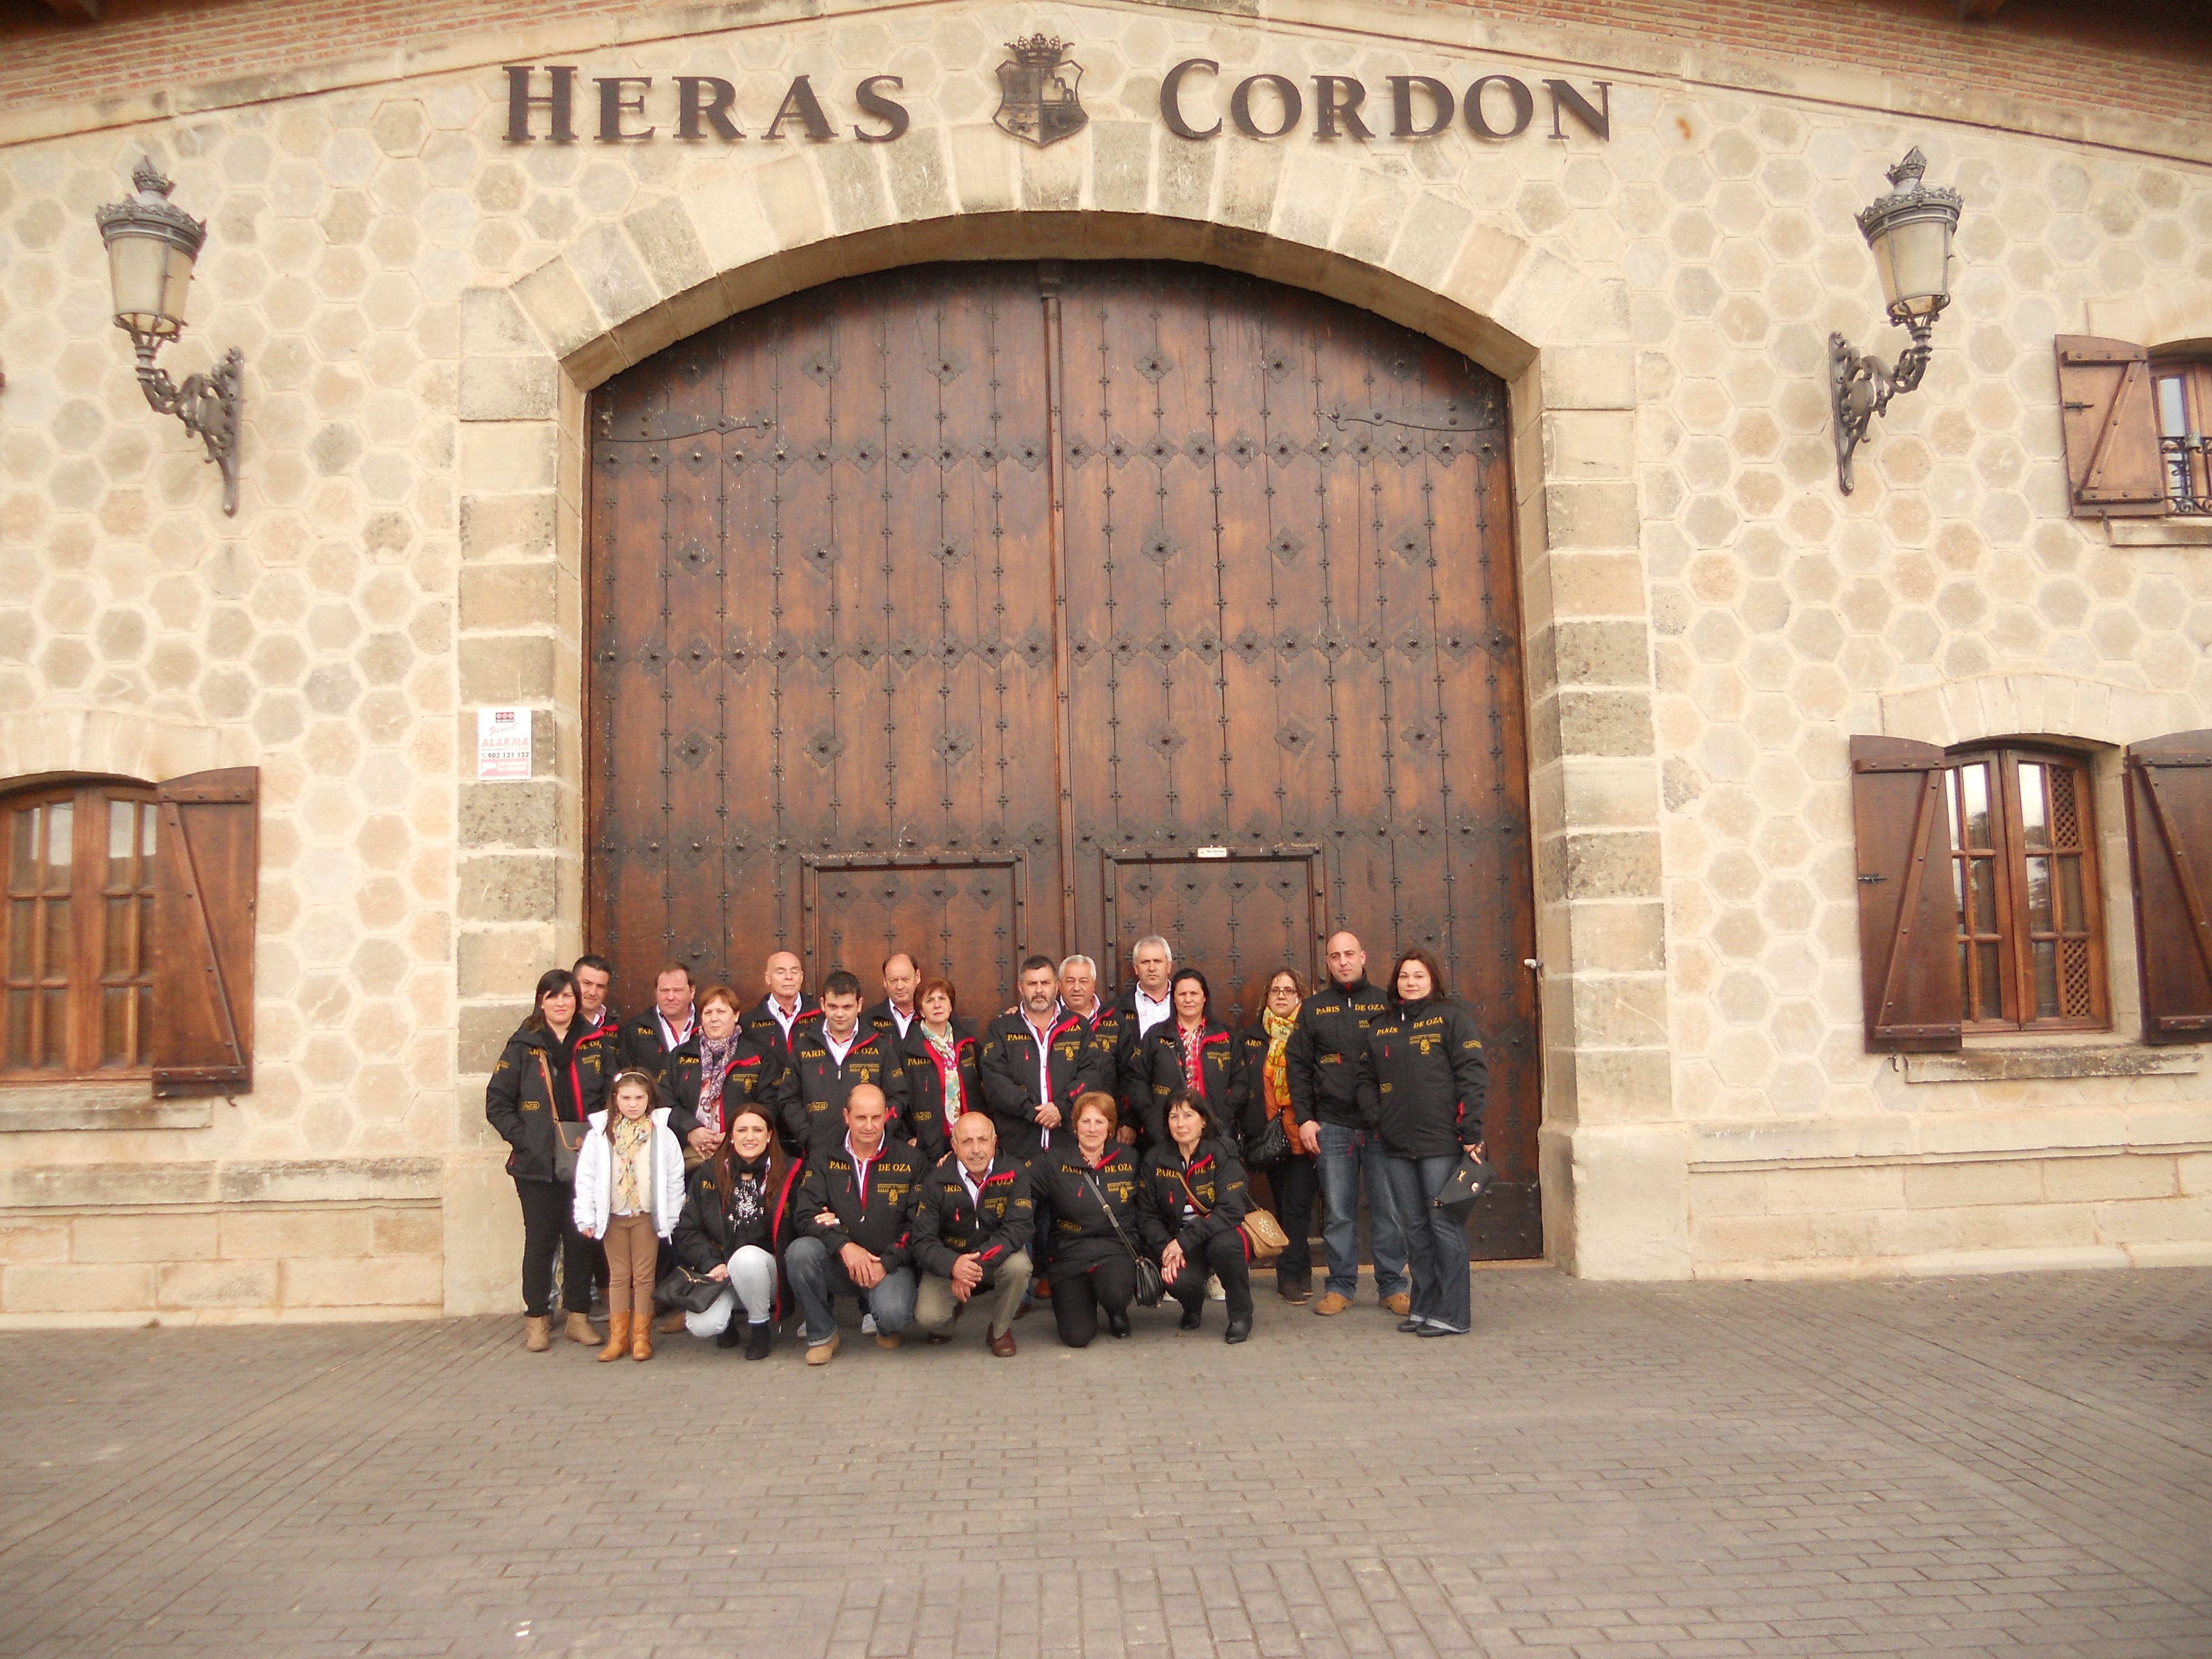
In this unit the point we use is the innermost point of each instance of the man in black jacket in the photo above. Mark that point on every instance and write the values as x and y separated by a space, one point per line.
1035 1061
770 1024
1143 1004
831 1056
662 1029
1322 1061
894 1017
853 1229
1104 1021
971 1232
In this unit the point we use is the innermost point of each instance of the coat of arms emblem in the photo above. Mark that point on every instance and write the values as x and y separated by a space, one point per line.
1038 101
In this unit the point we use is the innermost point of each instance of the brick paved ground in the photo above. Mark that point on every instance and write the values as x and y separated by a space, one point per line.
2018 1465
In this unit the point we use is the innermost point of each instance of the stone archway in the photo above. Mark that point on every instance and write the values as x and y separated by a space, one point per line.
1614 1156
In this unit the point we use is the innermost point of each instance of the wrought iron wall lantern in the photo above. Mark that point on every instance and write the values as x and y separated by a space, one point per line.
1909 231
151 246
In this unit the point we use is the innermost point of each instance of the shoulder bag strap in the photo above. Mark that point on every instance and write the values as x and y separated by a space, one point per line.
1113 1221
1202 1211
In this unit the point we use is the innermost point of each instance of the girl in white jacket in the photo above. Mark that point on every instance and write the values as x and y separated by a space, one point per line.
629 1190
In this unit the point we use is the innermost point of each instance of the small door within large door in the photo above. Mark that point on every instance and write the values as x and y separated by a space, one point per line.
980 610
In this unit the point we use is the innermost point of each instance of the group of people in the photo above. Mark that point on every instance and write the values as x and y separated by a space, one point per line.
741 1164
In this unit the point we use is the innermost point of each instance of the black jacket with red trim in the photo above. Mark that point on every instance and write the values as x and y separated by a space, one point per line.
523 1099
639 1045
1216 1178
814 1106
755 1078
708 1233
877 1016
1077 1234
1135 1075
1220 1064
765 1031
1009 1069
1423 1080
1107 1024
947 1225
1321 1059
925 1084
879 1221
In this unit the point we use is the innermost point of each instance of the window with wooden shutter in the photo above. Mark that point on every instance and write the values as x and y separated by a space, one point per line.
2182 389
206 884
75 939
2169 783
2029 911
1908 954
2114 464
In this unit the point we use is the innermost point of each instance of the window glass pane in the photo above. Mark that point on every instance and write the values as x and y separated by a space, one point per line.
2072 913
115 1026
145 1027
1990 987
2038 894
1985 896
2173 413
1974 786
1951 805
21 1004
1958 893
2045 956
2034 818
1966 980
61 821
54 1019
146 837
23 850
122 836
122 946
23 939
55 964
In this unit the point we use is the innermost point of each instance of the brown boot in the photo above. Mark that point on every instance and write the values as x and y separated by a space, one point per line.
671 1324
579 1330
618 1337
640 1336
537 1332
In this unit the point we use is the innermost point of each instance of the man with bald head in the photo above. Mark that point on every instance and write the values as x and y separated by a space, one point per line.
894 1016
1322 1061
973 1222
853 1228
770 1022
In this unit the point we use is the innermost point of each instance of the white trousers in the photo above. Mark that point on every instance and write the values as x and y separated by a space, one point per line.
752 1281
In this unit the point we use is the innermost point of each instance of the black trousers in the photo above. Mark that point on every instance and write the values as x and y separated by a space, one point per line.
549 1224
1297 1187
1224 1260
1078 1298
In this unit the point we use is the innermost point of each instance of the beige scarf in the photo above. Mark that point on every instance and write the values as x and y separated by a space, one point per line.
631 1138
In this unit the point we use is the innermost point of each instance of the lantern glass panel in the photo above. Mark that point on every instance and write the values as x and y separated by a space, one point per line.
150 275
1916 274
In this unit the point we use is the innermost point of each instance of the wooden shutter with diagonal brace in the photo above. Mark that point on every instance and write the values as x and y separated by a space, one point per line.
207 876
2113 467
1908 914
2169 782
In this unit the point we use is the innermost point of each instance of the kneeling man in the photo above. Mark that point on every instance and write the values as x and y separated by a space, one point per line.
971 1235
854 1216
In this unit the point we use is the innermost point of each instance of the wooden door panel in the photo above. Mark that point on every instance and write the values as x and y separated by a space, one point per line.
834 637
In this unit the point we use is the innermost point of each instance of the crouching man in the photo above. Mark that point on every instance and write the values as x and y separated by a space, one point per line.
972 1228
855 1202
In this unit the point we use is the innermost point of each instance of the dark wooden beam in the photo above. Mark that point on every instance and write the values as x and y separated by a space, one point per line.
77 11
1968 9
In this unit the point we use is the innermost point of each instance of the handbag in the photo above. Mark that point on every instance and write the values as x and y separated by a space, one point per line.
1467 1183
1151 1287
1272 1145
1264 1237
692 1292
568 1141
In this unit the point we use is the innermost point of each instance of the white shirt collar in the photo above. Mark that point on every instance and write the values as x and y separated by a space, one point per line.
839 1050
1151 1013
974 1186
798 1007
904 1022
669 1037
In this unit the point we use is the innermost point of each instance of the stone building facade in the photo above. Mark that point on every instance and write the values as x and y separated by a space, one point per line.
424 305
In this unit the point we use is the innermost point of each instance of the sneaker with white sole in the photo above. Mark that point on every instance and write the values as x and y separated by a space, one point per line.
1214 1292
867 1324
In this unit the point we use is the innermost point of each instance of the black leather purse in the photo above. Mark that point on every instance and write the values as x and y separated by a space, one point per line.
1272 1145
1151 1287
1468 1183
681 1288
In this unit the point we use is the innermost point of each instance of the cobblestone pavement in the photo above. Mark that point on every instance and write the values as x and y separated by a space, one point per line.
2016 1466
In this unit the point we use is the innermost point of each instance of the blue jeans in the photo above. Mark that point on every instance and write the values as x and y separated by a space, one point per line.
816 1276
1443 1283
1346 1155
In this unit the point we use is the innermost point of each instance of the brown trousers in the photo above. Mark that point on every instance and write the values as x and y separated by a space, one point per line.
632 1255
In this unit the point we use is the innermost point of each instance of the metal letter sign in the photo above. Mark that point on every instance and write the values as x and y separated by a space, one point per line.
1036 91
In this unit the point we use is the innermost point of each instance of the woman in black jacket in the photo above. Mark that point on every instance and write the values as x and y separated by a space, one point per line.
1422 1083
736 1222
1292 1181
1194 1050
1089 1195
1191 1203
552 1074
938 1054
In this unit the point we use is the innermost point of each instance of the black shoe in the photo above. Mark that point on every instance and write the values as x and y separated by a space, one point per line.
1117 1324
759 1339
1440 1330
1192 1314
731 1334
1238 1329
1410 1325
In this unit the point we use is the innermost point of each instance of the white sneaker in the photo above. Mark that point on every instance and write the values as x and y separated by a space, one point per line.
867 1324
1214 1292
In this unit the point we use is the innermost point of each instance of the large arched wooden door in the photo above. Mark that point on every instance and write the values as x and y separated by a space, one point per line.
980 610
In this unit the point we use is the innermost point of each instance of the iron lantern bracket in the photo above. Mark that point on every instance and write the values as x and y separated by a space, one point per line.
209 405
1860 387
